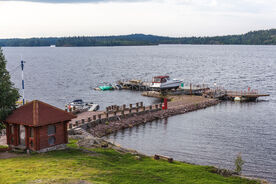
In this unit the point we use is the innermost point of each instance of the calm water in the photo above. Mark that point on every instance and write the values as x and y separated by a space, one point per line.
213 136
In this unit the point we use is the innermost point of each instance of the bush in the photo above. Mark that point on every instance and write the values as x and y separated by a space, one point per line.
239 163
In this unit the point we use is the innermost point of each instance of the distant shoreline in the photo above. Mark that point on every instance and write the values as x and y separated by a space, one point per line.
261 37
134 45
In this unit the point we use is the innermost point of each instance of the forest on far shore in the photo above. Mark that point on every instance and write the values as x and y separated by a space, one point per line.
262 37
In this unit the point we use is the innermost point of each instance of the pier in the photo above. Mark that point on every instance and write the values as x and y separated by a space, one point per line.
182 100
116 118
223 94
244 95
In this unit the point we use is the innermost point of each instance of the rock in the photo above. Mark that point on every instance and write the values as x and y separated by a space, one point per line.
104 145
137 157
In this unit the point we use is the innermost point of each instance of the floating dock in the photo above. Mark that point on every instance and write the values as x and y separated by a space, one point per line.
139 85
233 95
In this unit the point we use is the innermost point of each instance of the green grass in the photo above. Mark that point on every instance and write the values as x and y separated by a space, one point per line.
105 166
2 146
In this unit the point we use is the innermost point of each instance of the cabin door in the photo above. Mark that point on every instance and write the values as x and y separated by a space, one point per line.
22 135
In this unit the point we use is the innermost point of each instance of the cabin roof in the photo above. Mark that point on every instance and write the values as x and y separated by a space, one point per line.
37 113
162 76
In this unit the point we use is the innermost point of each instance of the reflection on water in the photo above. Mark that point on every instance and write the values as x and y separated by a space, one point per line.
211 136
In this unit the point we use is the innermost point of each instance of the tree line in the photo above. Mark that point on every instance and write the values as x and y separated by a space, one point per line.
262 37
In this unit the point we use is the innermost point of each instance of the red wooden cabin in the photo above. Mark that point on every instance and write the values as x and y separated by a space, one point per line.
37 126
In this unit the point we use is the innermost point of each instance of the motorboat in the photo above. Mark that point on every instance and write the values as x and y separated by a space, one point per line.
79 104
164 83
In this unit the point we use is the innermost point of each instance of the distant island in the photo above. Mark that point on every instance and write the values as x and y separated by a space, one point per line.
261 37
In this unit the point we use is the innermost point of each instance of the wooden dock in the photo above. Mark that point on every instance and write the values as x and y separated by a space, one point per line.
244 95
137 85
231 95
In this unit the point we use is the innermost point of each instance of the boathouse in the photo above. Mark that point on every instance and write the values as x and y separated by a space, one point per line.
37 126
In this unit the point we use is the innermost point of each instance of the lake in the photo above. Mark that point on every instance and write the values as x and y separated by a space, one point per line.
213 136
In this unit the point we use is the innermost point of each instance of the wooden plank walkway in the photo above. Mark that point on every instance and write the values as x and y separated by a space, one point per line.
246 94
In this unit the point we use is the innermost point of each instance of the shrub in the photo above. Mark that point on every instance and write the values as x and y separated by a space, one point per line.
239 163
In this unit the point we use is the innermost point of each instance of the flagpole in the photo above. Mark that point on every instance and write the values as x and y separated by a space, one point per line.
22 67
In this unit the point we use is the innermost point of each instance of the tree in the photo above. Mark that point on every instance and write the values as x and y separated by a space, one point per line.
8 93
239 163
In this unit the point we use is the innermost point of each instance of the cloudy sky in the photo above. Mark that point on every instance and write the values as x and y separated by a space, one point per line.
44 18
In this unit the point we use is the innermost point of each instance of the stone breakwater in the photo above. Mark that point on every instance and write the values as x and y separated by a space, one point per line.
175 108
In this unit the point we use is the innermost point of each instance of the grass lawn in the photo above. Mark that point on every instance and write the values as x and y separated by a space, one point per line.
2 146
105 166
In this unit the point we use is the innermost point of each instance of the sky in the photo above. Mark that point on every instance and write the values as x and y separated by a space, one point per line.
178 18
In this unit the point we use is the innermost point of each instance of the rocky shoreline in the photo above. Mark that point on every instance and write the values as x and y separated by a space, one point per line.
175 108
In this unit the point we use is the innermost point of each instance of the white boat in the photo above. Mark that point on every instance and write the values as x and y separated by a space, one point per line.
79 104
164 83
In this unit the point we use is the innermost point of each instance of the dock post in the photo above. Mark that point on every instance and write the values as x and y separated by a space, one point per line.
144 109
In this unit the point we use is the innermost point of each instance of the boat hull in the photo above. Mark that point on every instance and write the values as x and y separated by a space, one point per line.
166 86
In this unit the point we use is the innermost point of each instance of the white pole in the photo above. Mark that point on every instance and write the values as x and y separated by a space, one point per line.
22 67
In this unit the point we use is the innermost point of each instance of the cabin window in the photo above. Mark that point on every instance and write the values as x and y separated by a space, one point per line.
156 80
51 140
12 129
51 129
164 80
32 132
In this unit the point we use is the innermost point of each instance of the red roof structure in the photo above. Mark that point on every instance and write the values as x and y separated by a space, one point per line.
37 126
37 113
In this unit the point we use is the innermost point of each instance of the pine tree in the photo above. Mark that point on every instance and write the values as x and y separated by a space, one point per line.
8 93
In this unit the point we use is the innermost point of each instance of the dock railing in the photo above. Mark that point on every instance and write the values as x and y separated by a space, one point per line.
115 113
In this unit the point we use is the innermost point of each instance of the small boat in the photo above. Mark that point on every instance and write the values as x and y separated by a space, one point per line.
105 88
79 104
164 83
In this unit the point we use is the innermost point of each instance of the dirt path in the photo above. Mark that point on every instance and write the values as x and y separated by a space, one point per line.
6 155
